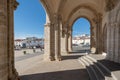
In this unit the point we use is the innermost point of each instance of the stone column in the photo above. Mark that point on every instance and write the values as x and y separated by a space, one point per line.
108 41
112 43
3 41
12 73
70 40
116 43
99 35
64 40
92 38
119 42
49 42
57 38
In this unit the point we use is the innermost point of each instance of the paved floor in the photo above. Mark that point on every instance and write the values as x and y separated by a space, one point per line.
28 55
37 69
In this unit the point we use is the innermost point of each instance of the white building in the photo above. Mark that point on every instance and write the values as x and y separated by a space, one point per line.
18 43
29 42
81 40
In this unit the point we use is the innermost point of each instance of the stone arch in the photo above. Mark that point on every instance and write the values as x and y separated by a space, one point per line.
47 10
82 17
92 40
82 6
90 18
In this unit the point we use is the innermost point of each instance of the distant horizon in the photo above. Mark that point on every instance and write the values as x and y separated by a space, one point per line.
43 37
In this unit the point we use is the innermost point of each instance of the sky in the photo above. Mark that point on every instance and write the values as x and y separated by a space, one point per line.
81 26
30 17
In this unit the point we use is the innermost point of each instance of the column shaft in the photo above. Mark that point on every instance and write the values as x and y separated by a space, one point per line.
49 42
64 41
57 41
70 41
3 40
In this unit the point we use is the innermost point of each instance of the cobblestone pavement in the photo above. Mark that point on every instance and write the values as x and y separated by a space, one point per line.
37 69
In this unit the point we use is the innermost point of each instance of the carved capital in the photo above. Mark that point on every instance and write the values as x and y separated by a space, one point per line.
15 4
110 4
97 19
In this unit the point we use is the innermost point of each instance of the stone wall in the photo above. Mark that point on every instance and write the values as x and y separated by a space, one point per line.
112 21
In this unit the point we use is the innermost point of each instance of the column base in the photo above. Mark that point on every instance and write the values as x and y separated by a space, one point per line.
58 58
15 75
48 58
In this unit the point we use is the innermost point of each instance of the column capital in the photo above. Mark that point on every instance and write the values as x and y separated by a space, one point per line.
110 4
15 4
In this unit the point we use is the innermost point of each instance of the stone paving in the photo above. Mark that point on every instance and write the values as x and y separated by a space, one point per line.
37 69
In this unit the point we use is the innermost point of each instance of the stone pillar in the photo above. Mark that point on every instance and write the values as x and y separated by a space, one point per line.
70 40
57 38
108 41
116 43
64 40
112 43
49 42
3 41
12 73
99 35
92 38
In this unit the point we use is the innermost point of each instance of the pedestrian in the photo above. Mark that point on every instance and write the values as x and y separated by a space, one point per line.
34 49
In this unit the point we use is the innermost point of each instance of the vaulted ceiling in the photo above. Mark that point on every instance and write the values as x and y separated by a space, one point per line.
70 10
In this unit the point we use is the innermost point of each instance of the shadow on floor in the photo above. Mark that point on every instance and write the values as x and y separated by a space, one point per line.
112 66
80 51
78 74
71 57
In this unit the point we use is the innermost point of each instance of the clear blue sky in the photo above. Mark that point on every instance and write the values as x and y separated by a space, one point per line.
29 20
81 26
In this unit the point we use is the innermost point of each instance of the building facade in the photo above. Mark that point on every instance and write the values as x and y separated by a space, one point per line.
81 40
29 42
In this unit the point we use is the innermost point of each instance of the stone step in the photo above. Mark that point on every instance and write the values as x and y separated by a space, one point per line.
98 72
103 70
93 67
98 63
89 70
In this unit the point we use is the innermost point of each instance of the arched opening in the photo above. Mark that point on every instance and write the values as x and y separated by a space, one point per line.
81 35
29 20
